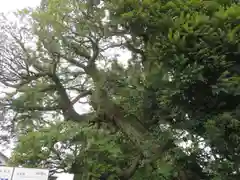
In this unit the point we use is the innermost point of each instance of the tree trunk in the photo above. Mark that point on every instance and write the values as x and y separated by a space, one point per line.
77 177
134 129
128 124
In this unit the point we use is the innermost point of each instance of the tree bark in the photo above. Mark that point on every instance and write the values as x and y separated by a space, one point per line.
128 124
135 130
77 177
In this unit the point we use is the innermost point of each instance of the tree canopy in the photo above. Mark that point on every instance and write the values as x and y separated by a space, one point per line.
124 89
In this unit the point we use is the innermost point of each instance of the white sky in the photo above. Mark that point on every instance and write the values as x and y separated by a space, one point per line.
12 5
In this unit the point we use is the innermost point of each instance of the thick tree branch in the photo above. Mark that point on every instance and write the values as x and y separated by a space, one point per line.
65 103
129 172
130 125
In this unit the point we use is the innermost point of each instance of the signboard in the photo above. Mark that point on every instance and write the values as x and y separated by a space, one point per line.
30 174
10 173
6 173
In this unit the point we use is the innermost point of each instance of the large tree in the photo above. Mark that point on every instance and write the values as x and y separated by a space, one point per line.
180 83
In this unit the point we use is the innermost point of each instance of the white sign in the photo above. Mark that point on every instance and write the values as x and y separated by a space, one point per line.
6 173
30 174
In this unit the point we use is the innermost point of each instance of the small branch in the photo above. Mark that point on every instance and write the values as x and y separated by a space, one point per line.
81 95
132 48
48 88
73 61
95 52
58 154
37 108
76 49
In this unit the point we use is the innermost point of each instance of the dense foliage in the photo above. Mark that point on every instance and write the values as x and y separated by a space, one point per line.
136 89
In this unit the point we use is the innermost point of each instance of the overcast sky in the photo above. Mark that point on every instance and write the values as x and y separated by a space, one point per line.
12 5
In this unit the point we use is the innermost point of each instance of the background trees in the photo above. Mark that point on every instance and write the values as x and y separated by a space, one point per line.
180 84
